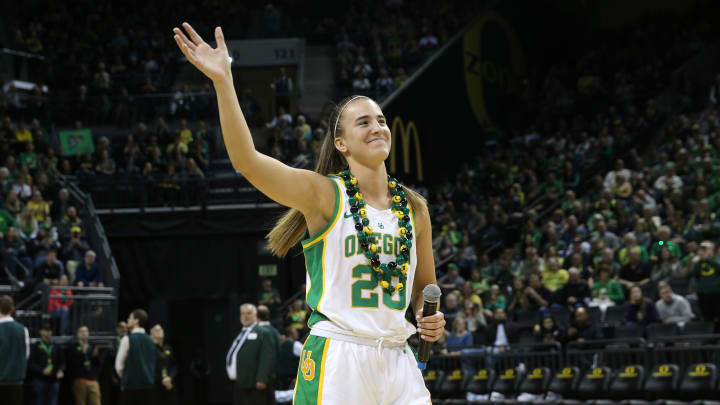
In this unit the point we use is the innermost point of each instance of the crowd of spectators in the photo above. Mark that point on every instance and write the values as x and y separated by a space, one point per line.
634 242
380 43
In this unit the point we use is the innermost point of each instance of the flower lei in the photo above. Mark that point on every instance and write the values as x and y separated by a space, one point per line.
382 272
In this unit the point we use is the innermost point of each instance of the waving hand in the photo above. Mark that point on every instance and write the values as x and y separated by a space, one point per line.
214 63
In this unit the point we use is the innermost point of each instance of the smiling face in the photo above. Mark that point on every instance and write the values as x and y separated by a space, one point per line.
363 134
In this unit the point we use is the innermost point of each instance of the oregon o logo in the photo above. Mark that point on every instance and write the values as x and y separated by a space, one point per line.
494 62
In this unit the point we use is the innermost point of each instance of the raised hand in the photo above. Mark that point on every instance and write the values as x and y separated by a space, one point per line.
214 63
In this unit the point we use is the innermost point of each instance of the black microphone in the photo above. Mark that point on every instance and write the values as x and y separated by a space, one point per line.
432 293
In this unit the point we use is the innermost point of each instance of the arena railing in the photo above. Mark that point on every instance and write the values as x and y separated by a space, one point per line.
614 353
95 233
91 306
119 192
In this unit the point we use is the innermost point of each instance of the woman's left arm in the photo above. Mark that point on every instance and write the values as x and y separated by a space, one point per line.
431 327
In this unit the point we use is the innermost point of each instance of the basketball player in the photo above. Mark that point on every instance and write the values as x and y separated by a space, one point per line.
369 255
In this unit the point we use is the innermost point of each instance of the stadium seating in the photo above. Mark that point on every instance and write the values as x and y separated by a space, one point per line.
615 315
593 383
507 382
451 384
565 381
481 382
536 381
697 328
660 330
627 383
662 381
699 382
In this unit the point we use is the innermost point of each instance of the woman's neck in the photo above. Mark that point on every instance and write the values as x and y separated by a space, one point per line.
373 185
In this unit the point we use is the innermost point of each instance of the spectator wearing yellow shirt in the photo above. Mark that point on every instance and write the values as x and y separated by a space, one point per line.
297 315
185 133
22 134
469 295
553 278
40 208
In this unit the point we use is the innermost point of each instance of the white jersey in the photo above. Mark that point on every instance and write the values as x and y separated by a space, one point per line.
339 284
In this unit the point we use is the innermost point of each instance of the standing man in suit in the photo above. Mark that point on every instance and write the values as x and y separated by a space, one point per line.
135 362
264 321
250 361
14 354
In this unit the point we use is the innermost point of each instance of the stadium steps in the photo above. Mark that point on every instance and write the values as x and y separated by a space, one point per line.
319 78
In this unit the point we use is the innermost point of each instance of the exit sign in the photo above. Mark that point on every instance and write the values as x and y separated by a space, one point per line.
267 270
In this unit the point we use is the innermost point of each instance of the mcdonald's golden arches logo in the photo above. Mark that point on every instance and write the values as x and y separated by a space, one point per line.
406 133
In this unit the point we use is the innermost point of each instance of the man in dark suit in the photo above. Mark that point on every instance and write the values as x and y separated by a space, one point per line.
250 361
498 335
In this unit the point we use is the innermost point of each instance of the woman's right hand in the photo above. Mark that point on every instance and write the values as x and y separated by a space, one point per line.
214 63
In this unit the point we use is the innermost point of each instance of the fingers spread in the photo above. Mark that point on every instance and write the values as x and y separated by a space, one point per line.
193 35
183 39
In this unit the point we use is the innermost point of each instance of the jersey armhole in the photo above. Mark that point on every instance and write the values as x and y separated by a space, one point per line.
338 210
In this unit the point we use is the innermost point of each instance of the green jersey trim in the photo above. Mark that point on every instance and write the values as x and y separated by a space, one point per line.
338 210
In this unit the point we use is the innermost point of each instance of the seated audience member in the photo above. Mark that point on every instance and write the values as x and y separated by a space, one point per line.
581 328
548 331
673 308
635 272
297 316
575 293
473 317
494 300
553 278
606 288
642 311
459 338
451 309
87 273
48 271
452 280
60 307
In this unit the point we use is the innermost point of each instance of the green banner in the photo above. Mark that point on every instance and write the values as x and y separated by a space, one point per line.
76 142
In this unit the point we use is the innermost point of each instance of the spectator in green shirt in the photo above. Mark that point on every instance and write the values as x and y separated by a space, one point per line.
664 241
6 220
607 287
29 157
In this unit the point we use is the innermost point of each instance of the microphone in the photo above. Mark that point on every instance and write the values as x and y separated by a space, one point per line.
432 293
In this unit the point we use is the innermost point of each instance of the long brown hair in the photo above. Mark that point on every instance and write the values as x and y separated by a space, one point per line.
290 228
